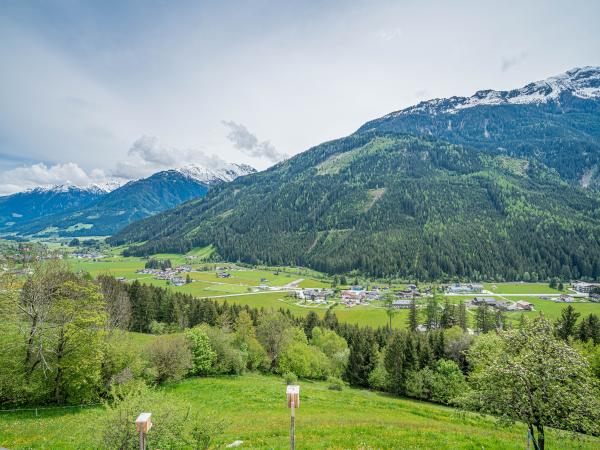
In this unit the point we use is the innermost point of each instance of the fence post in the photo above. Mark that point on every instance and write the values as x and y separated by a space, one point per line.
293 428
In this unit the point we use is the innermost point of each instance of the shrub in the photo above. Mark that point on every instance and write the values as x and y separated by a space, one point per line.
229 359
305 361
335 383
170 358
290 378
203 356
379 378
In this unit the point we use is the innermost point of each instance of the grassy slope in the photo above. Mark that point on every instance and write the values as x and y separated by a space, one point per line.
253 407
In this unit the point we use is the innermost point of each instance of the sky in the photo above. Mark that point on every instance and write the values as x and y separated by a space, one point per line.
96 90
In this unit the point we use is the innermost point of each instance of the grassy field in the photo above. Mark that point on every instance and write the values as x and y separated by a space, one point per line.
240 288
521 288
254 410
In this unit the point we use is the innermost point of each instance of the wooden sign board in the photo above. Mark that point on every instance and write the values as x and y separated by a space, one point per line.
143 422
293 394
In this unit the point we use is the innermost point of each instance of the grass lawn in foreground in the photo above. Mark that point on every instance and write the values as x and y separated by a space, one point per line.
254 410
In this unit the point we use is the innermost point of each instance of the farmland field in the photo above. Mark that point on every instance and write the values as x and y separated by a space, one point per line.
241 288
254 411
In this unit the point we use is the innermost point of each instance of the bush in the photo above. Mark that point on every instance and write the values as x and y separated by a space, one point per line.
203 356
379 378
229 359
335 383
442 385
290 378
305 361
170 358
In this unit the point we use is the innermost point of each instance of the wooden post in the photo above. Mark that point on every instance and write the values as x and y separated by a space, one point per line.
528 439
293 428
143 424
293 400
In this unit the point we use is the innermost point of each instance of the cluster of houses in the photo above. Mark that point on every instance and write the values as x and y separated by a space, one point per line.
502 305
172 275
318 296
460 288
583 287
87 255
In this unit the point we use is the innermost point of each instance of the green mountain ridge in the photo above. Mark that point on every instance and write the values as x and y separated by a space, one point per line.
392 204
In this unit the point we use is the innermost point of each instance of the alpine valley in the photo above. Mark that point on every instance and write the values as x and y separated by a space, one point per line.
488 186
69 210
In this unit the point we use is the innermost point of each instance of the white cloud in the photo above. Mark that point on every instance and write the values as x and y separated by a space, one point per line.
40 174
247 142
147 156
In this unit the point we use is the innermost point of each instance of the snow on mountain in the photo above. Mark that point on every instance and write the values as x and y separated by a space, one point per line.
97 188
583 83
210 176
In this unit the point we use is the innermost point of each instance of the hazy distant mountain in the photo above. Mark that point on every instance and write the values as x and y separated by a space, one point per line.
469 187
42 201
100 213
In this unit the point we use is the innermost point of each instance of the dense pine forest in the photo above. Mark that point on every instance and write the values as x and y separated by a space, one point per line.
386 204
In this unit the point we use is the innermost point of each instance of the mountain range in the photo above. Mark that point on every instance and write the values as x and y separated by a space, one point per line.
94 211
499 185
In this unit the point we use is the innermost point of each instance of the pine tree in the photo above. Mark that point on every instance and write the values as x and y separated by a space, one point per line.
566 325
413 316
432 313
462 316
362 359
311 321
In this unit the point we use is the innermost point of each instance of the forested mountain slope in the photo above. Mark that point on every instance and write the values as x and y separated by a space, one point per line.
133 201
556 121
387 203
38 202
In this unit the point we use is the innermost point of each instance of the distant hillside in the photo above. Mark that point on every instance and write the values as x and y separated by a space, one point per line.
392 204
39 202
135 200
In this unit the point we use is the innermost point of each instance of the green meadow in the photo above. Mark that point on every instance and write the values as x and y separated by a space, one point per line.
242 288
254 411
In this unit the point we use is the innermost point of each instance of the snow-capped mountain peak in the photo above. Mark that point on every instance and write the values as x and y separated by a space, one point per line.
582 82
210 176
97 188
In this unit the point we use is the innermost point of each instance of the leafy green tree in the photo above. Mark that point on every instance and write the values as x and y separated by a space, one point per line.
203 356
566 325
273 332
531 376
334 346
304 360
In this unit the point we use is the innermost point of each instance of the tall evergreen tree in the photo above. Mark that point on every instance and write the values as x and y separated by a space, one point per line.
413 316
362 359
462 315
566 325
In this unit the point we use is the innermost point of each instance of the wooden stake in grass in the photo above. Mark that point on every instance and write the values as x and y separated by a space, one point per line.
143 424
293 400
